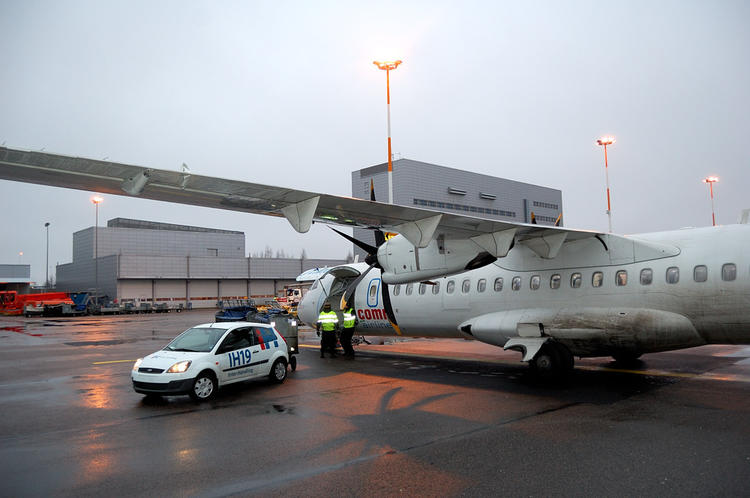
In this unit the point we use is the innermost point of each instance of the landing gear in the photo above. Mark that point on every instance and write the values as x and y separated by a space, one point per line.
626 359
552 361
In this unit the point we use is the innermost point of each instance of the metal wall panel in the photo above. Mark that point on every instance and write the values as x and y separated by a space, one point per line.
139 290
203 293
233 289
218 268
169 290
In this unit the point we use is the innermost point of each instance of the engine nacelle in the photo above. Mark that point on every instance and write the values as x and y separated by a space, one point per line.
402 262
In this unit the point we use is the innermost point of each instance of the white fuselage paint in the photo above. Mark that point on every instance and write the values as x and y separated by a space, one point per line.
591 321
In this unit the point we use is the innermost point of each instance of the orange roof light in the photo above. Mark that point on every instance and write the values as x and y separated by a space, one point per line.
96 199
710 179
608 140
387 65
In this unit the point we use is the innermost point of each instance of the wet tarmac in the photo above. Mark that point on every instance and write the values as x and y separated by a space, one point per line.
418 417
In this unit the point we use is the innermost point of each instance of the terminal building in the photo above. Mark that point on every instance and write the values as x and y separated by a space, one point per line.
15 278
135 260
451 190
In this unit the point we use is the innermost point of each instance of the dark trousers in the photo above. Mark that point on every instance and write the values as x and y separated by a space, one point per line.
346 341
328 342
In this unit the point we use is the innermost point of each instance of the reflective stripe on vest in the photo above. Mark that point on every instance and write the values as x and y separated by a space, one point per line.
328 320
349 318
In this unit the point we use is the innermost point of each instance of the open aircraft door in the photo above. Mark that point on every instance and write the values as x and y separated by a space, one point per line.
335 283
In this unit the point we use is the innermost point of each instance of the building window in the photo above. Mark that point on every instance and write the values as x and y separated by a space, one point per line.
482 285
498 284
729 272
647 276
212 252
450 287
621 278
554 281
436 288
535 282
575 280
597 279
700 273
409 289
673 275
515 284
466 286
422 289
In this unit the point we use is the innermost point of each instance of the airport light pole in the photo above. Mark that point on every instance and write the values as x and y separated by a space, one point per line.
608 140
96 200
711 180
388 67
46 268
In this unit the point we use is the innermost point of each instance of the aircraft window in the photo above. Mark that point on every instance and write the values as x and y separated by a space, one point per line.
466 286
515 284
554 281
673 275
700 273
575 280
535 282
314 285
373 289
436 288
397 290
450 287
647 276
498 284
597 279
422 289
409 289
482 285
729 272
621 278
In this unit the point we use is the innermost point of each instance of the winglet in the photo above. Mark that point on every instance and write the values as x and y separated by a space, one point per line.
300 214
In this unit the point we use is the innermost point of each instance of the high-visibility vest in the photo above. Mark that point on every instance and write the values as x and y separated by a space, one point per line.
328 320
349 318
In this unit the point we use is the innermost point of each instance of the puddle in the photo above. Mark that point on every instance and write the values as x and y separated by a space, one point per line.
20 330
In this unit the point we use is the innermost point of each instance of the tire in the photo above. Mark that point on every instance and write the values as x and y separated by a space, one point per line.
626 358
278 371
554 361
293 363
204 386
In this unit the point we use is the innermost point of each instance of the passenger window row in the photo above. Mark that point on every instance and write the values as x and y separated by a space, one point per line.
672 276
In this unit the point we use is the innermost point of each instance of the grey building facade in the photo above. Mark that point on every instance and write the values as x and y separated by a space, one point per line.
440 188
158 262
15 277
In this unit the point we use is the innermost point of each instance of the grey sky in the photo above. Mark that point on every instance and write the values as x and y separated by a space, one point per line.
286 93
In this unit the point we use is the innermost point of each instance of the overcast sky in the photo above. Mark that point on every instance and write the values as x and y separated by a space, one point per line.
285 92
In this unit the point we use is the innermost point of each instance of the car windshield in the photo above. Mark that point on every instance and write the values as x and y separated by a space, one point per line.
197 339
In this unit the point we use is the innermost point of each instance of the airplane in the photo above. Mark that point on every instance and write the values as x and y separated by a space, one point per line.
550 293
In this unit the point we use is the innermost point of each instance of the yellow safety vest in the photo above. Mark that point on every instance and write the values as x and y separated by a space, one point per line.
349 318
328 320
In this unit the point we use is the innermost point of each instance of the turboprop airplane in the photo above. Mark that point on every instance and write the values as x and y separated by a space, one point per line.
548 292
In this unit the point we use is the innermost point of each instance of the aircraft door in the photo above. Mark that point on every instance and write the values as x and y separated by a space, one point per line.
457 292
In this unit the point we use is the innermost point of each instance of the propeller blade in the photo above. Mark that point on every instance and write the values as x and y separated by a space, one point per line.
379 235
353 286
389 307
362 245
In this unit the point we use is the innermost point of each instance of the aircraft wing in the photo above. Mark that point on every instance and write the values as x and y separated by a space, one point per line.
300 207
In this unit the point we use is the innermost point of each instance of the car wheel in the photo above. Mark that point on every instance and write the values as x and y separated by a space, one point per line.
293 363
278 371
204 387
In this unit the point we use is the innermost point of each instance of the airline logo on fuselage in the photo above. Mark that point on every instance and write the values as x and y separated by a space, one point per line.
372 314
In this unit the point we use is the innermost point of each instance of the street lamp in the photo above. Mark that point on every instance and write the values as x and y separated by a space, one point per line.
608 140
388 67
711 180
46 272
96 200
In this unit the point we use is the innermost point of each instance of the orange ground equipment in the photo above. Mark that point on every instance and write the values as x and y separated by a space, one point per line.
13 303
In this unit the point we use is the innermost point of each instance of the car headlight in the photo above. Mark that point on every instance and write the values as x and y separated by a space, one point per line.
179 367
137 364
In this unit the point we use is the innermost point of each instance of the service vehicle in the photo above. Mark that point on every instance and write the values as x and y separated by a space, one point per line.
208 356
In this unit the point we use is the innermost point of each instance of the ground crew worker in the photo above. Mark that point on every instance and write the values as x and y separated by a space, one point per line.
350 321
327 322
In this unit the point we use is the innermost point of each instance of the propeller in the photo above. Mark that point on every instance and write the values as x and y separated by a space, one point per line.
372 261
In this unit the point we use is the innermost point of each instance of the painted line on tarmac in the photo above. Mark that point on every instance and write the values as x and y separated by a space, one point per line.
111 361
590 368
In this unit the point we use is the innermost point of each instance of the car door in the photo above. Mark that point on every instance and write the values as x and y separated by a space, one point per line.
235 356
266 345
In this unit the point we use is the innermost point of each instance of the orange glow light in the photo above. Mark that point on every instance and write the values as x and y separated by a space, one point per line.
710 179
387 65
608 140
96 199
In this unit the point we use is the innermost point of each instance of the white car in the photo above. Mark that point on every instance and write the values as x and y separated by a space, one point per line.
208 356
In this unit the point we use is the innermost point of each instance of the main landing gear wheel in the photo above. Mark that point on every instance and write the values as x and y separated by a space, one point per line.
553 361
627 358
204 387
